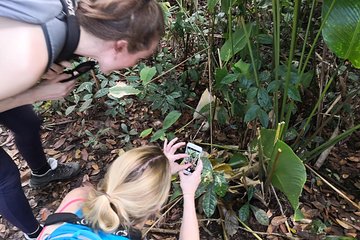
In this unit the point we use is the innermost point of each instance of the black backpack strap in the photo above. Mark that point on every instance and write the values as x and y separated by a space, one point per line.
132 233
73 31
64 217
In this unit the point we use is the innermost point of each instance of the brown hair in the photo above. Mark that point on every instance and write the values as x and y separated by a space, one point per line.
134 187
140 22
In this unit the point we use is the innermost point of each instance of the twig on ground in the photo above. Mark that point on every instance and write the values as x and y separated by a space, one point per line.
334 188
152 226
281 209
265 233
163 230
49 125
248 229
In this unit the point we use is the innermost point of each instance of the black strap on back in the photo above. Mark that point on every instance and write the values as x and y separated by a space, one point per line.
73 31
131 233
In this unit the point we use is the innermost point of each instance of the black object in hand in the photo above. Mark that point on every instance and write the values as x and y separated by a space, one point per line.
79 70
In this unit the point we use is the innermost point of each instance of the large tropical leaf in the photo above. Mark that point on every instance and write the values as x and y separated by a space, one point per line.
342 29
235 44
287 169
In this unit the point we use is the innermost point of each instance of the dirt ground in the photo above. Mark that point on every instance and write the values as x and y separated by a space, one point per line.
325 211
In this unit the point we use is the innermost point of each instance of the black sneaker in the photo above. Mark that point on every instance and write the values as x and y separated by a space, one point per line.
58 172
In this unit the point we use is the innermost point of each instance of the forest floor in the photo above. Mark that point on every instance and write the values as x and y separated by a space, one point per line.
325 211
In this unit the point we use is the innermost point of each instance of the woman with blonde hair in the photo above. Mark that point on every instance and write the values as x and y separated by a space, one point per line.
135 187
35 34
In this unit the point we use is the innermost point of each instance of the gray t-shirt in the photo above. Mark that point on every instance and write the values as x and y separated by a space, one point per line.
47 13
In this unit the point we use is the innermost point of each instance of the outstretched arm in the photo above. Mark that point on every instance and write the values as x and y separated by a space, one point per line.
189 183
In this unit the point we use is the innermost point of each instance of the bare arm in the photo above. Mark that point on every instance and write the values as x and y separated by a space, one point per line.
23 56
49 89
189 183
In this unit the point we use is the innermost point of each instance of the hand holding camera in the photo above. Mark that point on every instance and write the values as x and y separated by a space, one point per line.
194 153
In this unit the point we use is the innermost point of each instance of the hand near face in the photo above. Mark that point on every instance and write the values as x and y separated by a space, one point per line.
170 150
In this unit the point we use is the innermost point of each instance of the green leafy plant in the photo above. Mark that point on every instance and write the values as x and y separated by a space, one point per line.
244 211
162 133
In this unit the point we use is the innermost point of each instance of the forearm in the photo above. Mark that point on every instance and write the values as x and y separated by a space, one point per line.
16 101
189 227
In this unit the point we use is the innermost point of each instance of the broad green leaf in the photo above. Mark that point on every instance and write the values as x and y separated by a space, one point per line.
289 166
176 191
260 215
220 184
146 132
85 105
102 92
146 74
267 141
231 222
222 115
264 76
220 73
263 118
170 119
293 93
209 202
306 79
250 193
201 189
263 97
85 86
244 212
242 66
211 5
273 86
235 44
230 78
341 32
289 174
238 160
252 93
70 110
251 113
121 90
159 134
207 172
264 39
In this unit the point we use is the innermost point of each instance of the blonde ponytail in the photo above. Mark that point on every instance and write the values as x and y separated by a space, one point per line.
134 187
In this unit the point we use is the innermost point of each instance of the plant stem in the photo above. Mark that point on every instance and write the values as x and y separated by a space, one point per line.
276 37
316 106
316 38
289 64
307 33
251 52
329 143
273 168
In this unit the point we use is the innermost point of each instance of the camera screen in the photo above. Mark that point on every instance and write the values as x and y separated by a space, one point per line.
194 155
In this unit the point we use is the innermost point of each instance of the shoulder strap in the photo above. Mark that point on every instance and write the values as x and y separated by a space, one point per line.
73 31
61 217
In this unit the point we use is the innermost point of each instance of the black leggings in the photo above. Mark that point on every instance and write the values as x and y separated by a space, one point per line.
14 206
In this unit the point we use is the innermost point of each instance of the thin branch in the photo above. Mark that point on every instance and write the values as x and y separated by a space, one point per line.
334 188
